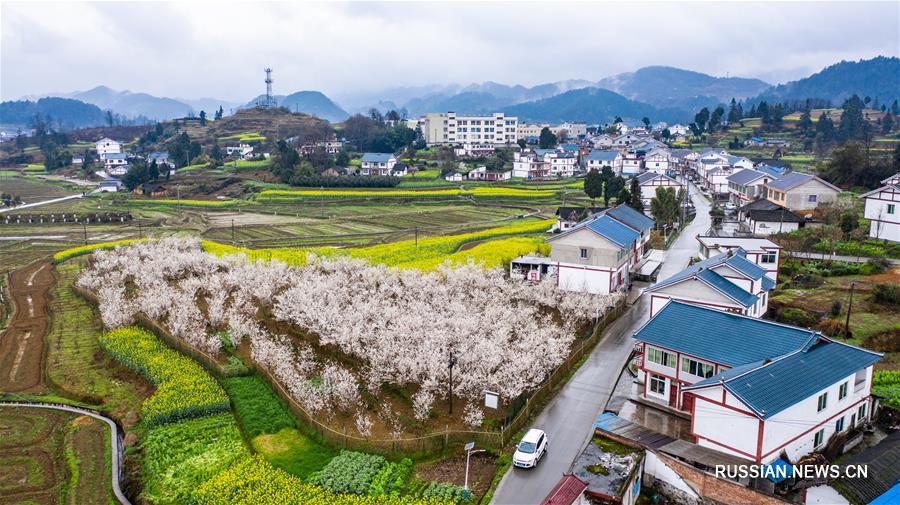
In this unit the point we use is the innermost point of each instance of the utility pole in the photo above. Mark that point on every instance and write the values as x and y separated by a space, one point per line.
417 236
232 231
84 227
849 308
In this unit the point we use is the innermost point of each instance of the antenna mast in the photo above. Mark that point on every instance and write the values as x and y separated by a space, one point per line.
270 99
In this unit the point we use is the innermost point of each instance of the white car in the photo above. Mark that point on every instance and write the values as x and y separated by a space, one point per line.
730 206
531 449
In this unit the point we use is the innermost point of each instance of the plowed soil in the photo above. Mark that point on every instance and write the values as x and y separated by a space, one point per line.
22 344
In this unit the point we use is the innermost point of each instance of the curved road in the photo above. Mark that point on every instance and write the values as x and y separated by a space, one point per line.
116 448
568 417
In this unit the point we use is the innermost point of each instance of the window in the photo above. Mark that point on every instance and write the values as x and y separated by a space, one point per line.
861 412
660 357
584 253
658 384
842 391
859 381
823 402
819 438
768 257
891 208
839 425
812 198
696 368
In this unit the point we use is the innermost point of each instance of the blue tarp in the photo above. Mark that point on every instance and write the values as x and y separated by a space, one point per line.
890 497
778 470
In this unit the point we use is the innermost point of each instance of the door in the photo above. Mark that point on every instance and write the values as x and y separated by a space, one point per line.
673 395
687 402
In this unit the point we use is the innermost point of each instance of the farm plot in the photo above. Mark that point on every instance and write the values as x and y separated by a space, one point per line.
33 190
52 457
22 343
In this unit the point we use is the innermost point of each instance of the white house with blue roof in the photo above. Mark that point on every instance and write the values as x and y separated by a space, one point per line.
747 185
728 282
377 164
596 254
599 158
755 389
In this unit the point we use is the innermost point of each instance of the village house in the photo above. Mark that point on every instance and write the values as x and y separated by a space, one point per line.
761 251
799 192
762 218
602 141
636 221
112 160
754 388
567 217
453 177
474 150
883 210
483 174
747 185
107 145
658 161
110 185
562 163
727 282
528 165
377 164
597 159
161 158
568 491
595 255
651 181
242 151
151 189
631 164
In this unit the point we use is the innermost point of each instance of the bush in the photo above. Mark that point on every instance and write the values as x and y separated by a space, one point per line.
832 328
874 266
796 317
886 294
447 491
835 308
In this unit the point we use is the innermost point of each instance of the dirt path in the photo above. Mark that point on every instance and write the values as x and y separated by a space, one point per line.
22 344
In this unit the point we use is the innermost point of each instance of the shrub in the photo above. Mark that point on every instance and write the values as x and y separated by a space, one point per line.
886 294
184 389
832 328
874 266
796 317
835 308
446 491
887 384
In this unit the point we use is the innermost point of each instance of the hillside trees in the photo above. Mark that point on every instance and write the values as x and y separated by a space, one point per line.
593 185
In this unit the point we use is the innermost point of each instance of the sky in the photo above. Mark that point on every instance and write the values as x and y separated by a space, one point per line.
202 49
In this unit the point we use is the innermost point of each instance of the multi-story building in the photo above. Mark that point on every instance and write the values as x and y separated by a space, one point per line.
883 210
753 388
533 131
451 128
107 145
377 164
599 158
798 191
529 165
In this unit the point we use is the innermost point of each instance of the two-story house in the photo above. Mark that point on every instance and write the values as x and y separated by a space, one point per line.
747 185
597 159
754 388
761 251
651 181
636 221
883 210
799 192
658 161
527 164
728 281
377 164
595 255
107 145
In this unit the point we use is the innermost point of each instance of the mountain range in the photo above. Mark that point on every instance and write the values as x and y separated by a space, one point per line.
659 92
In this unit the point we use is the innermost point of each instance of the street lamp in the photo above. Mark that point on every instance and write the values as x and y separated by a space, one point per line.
469 446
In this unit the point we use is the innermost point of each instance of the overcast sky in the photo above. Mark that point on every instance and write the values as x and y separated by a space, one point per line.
192 50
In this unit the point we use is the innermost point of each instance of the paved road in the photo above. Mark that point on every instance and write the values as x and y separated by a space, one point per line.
569 416
45 202
117 451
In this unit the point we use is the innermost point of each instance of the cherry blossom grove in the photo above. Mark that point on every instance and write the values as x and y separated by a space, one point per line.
393 326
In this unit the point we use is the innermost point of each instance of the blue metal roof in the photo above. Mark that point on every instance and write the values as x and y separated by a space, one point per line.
603 155
770 170
377 157
739 262
631 217
728 288
719 336
569 147
890 497
808 370
745 176
613 230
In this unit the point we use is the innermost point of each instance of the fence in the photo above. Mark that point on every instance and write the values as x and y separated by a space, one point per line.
560 374
431 442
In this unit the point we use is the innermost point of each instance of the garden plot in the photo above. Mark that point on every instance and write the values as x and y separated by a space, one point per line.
380 366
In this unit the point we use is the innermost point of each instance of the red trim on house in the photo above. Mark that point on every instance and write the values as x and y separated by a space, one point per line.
698 437
814 428
584 268
710 304
725 405
759 439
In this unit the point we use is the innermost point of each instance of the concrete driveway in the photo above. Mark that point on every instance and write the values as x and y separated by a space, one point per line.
569 416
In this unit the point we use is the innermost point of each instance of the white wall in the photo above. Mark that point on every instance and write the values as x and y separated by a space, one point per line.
583 279
884 225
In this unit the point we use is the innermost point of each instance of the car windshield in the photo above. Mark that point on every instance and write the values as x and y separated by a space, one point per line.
527 447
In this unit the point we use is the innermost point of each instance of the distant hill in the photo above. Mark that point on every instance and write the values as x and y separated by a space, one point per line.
876 78
488 97
588 105
134 105
313 103
674 87
272 123
65 112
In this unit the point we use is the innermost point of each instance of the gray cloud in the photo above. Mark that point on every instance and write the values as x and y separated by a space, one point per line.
194 49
